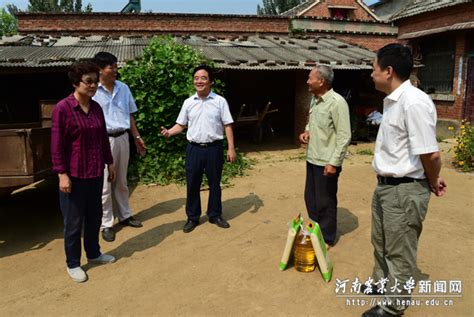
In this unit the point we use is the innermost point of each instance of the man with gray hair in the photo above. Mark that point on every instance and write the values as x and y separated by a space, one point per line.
327 135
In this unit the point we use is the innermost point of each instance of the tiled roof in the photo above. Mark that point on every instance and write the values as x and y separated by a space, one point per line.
299 8
251 53
421 6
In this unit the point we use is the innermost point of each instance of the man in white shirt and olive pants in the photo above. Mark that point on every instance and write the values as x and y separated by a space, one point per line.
407 163
207 116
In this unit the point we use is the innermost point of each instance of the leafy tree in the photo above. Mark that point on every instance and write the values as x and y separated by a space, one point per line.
67 5
77 5
160 81
276 7
57 6
8 23
12 9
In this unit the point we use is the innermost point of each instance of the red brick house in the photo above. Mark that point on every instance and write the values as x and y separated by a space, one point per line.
442 36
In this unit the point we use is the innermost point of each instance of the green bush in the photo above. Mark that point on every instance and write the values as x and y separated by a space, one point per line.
160 81
365 152
464 148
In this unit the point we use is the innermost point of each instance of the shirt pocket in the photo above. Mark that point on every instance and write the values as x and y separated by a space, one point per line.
323 119
395 131
120 112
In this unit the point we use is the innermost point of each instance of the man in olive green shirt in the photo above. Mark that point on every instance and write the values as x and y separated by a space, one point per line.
327 135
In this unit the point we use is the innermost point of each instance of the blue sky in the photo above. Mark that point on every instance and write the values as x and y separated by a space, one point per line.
178 6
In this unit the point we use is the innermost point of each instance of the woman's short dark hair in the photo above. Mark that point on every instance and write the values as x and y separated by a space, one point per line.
104 59
78 69
398 57
207 68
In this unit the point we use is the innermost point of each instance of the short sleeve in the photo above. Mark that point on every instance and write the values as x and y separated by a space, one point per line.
183 115
226 116
421 128
132 106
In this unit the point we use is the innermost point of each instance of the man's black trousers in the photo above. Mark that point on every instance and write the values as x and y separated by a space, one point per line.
199 160
320 196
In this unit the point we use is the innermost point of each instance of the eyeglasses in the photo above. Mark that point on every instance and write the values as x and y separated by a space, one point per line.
203 78
90 82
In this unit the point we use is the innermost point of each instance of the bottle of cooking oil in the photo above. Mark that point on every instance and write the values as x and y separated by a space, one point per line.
305 258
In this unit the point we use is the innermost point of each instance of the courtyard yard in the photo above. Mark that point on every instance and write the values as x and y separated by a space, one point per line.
213 272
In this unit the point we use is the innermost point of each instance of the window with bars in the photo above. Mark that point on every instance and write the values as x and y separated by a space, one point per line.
438 59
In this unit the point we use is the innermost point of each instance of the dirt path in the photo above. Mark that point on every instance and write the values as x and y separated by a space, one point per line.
214 272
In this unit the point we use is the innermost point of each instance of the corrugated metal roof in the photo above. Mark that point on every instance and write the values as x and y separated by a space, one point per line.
421 6
252 52
454 27
299 8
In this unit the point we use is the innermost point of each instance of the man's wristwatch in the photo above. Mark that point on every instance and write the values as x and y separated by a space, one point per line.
138 137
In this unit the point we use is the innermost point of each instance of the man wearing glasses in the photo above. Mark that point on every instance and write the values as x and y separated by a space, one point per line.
118 105
207 117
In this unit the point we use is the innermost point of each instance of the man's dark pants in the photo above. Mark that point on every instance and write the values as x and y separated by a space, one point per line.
82 206
320 196
199 160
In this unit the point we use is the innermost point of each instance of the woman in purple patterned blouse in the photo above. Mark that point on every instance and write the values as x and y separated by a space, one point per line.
80 149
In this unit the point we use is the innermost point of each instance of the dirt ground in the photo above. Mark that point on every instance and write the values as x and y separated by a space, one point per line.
215 272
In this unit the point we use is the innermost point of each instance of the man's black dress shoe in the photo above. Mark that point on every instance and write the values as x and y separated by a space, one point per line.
377 311
108 234
131 222
218 221
373 292
190 225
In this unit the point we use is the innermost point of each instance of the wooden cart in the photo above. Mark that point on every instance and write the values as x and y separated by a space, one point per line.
258 123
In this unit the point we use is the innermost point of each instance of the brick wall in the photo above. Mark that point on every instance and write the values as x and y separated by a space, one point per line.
454 109
302 100
169 23
371 42
322 10
148 23
439 18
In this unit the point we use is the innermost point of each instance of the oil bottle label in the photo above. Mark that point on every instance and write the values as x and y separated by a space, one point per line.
319 246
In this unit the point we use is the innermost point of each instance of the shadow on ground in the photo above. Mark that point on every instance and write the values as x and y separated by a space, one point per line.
346 222
233 208
162 208
30 218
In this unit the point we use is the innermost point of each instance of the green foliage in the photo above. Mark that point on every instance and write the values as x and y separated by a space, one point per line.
8 23
276 7
58 6
464 147
160 81
365 152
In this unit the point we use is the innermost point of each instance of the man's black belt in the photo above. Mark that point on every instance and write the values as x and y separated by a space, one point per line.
217 142
117 134
382 180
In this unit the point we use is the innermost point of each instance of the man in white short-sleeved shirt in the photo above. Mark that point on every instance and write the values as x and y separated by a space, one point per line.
206 116
407 163
118 105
